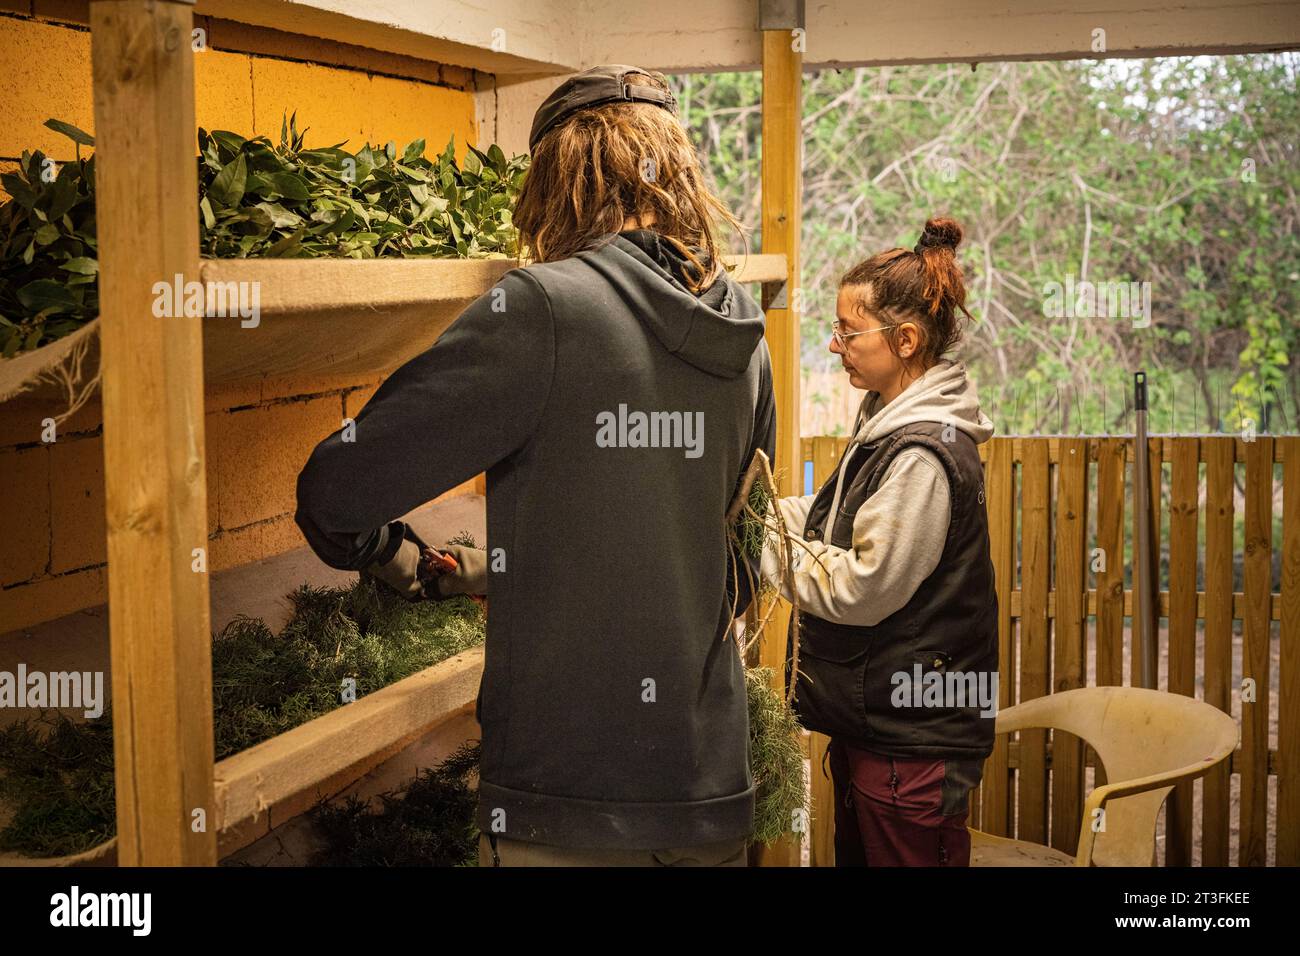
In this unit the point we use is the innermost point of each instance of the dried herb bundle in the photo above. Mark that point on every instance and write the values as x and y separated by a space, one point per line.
776 758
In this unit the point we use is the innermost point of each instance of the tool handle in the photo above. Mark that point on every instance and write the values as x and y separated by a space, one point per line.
437 563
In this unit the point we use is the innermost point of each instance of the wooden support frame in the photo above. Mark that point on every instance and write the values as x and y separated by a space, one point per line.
782 198
172 803
781 22
154 469
264 786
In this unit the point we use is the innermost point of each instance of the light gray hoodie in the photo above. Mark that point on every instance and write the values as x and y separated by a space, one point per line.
900 531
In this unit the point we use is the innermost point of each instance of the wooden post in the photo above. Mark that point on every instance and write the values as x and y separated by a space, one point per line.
781 22
997 813
154 471
782 184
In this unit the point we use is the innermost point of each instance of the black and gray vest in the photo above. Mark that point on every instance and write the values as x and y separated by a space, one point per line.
946 636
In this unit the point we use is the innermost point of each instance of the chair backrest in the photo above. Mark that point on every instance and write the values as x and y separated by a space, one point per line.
1136 733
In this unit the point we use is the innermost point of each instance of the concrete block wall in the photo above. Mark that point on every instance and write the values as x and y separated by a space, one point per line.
52 533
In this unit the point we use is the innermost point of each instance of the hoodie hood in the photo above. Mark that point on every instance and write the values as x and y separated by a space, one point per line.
942 394
716 331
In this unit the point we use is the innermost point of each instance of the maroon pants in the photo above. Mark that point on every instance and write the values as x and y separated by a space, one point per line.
892 811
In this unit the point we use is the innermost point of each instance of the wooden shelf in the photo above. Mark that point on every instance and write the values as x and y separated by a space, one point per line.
759 267
266 785
345 316
335 317
338 317
270 783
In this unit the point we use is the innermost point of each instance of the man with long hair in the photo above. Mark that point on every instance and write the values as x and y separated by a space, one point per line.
614 390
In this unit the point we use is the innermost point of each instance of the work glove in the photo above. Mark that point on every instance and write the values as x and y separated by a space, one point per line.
402 571
420 572
468 576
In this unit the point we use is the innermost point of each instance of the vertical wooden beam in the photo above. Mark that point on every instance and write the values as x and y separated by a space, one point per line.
154 471
821 845
996 814
1035 637
782 196
824 453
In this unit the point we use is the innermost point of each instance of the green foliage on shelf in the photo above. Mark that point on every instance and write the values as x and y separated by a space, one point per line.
56 781
429 822
255 200
56 775
291 201
49 267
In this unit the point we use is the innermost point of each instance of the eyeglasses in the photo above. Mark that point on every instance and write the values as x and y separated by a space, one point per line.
842 336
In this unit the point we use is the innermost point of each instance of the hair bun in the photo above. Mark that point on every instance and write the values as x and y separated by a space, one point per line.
939 233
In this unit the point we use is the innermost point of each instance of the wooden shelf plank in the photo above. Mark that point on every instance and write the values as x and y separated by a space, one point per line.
267 775
264 786
340 317
334 316
351 316
759 267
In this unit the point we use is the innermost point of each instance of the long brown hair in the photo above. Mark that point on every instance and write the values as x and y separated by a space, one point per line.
618 161
923 285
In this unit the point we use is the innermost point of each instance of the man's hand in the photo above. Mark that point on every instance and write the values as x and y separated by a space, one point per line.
402 572
455 569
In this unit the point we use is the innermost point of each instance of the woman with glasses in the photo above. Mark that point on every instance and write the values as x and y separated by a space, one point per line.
898 653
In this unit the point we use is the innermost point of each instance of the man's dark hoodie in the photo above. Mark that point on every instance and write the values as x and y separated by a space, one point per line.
613 704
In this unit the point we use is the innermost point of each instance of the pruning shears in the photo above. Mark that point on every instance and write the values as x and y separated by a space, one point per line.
435 563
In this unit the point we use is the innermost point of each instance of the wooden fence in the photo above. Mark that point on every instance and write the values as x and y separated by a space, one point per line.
1062 535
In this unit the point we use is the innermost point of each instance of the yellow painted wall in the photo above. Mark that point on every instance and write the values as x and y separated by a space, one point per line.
46 73
52 539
